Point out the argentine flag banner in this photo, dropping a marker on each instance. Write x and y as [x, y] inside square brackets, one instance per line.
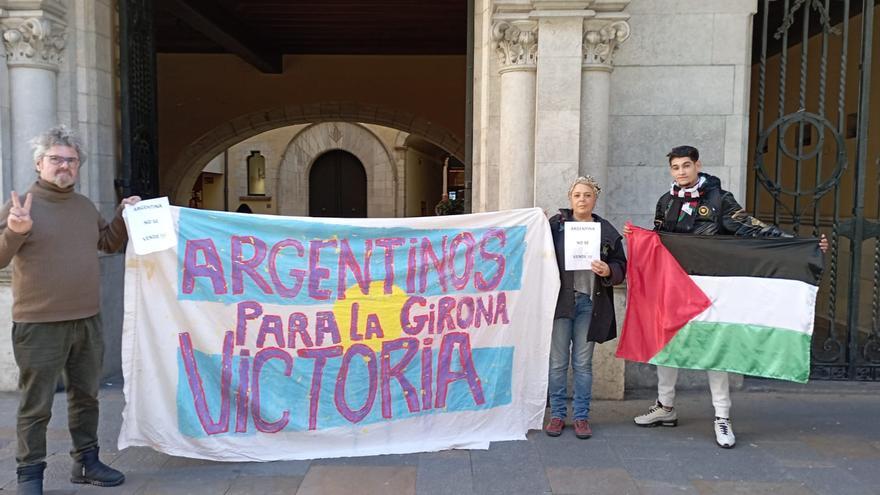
[260, 338]
[721, 303]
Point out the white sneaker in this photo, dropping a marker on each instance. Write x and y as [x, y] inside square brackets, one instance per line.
[657, 415]
[724, 433]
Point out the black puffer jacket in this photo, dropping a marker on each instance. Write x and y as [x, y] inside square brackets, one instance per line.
[603, 324]
[717, 212]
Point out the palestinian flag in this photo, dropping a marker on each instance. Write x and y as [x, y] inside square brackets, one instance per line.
[721, 303]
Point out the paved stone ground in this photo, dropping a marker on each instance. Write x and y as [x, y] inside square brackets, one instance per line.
[822, 438]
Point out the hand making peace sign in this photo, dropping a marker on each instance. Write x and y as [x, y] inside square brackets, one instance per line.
[19, 220]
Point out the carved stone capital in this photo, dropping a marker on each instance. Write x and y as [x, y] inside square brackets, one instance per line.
[34, 43]
[601, 39]
[516, 43]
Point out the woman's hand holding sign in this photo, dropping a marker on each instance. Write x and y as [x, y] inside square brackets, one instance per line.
[600, 268]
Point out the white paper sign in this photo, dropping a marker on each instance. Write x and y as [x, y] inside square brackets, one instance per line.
[582, 241]
[150, 227]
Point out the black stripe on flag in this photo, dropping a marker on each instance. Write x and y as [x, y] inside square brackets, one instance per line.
[730, 256]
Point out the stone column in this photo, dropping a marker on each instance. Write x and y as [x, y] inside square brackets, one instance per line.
[558, 99]
[600, 39]
[33, 47]
[5, 135]
[516, 43]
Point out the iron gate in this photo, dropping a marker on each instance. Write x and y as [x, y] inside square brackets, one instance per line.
[816, 164]
[139, 173]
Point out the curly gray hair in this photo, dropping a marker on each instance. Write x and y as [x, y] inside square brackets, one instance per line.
[587, 180]
[57, 136]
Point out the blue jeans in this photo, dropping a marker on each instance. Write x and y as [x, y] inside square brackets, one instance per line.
[569, 339]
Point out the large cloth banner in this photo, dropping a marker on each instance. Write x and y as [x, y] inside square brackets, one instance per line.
[268, 338]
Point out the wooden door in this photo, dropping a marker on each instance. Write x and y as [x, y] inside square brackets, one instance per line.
[337, 186]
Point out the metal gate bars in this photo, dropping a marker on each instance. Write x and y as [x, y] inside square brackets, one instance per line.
[817, 167]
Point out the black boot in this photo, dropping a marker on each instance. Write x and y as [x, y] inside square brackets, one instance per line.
[88, 469]
[30, 479]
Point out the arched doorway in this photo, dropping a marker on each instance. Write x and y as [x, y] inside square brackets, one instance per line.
[192, 158]
[337, 186]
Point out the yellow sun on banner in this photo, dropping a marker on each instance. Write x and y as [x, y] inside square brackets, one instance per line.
[376, 315]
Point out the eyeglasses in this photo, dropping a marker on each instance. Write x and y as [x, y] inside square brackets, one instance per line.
[71, 161]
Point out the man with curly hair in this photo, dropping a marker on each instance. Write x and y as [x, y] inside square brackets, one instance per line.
[52, 238]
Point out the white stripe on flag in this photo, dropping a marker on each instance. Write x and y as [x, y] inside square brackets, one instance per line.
[769, 302]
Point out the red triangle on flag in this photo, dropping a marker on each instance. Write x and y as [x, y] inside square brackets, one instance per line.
[660, 297]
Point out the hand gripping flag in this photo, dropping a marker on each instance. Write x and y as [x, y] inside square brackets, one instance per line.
[721, 303]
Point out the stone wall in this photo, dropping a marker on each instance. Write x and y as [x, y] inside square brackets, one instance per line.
[614, 85]
[8, 369]
[681, 78]
[424, 182]
[5, 129]
[112, 306]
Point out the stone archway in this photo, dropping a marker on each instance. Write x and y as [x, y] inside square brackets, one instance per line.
[177, 180]
[308, 144]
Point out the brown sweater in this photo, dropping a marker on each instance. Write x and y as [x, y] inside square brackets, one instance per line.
[55, 272]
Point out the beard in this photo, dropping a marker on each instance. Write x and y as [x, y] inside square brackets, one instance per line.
[63, 180]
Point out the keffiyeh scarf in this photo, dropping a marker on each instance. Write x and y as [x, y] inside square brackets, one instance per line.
[680, 214]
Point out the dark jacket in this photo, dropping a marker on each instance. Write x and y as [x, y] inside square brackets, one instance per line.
[717, 212]
[603, 324]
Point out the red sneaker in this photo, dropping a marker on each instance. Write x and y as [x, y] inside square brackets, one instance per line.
[554, 428]
[582, 429]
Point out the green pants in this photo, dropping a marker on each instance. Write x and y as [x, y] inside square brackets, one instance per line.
[42, 352]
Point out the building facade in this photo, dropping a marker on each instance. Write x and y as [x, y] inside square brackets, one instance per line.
[552, 89]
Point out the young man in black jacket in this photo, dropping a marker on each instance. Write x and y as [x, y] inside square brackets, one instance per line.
[696, 204]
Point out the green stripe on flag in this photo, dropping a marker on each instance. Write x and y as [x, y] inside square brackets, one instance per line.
[748, 349]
